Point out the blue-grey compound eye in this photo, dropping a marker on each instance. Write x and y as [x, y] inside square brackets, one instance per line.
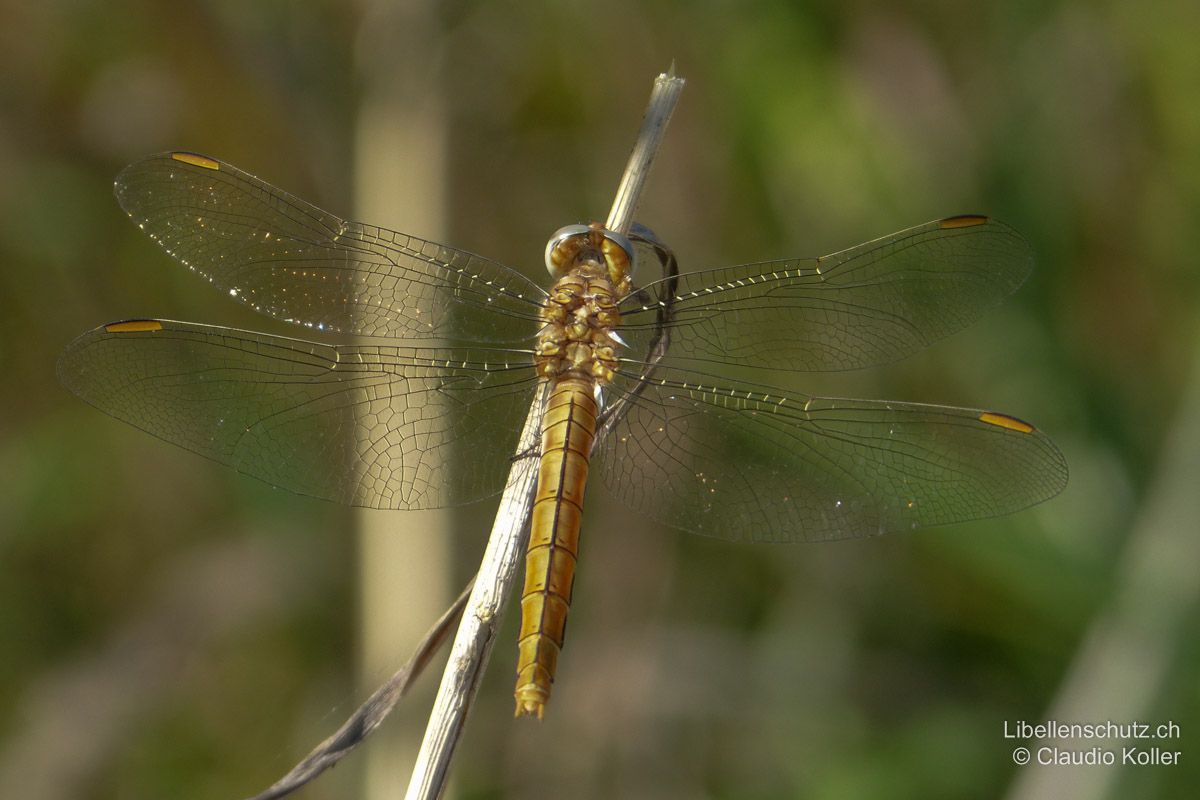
[626, 245]
[554, 265]
[561, 251]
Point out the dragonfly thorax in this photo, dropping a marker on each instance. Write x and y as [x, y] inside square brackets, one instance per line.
[580, 314]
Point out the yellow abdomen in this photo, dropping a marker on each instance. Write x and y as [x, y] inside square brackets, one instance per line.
[568, 430]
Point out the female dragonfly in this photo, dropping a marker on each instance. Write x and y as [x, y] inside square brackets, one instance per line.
[639, 377]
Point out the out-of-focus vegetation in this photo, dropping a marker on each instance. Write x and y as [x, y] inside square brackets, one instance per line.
[170, 629]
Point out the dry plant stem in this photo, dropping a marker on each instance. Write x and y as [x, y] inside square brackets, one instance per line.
[371, 713]
[663, 98]
[481, 620]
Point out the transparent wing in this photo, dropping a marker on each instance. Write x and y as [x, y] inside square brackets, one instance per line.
[752, 463]
[361, 425]
[290, 260]
[871, 304]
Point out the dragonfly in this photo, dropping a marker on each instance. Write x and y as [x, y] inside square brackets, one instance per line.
[420, 363]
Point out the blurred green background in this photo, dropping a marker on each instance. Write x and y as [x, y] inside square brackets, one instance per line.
[170, 629]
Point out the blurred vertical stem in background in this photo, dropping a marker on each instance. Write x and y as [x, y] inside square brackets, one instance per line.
[1122, 664]
[399, 179]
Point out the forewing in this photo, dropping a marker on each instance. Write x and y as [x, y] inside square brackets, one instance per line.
[751, 463]
[375, 426]
[290, 260]
[872, 304]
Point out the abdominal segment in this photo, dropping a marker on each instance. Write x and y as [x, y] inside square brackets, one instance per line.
[568, 430]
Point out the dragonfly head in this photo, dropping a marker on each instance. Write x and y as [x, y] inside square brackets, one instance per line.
[574, 245]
